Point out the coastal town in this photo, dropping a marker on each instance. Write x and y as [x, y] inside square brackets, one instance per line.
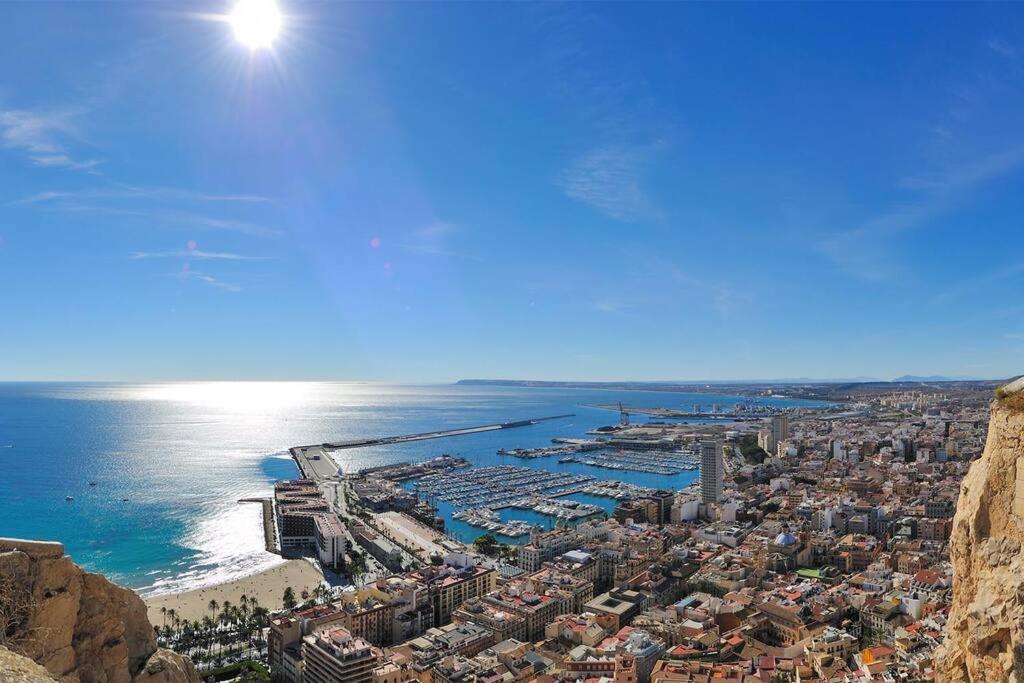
[811, 547]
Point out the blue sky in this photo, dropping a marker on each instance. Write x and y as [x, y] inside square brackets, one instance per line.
[555, 191]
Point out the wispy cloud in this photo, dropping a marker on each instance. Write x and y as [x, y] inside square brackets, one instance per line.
[609, 179]
[43, 137]
[434, 239]
[158, 205]
[215, 223]
[864, 251]
[64, 161]
[434, 250]
[725, 299]
[979, 283]
[210, 280]
[1001, 47]
[198, 254]
[436, 229]
[128, 192]
[666, 285]
[161, 215]
[610, 305]
[968, 174]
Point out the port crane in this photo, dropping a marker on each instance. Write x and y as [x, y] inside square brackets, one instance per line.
[623, 416]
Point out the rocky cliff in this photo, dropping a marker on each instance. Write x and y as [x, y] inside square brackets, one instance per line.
[17, 669]
[985, 634]
[79, 626]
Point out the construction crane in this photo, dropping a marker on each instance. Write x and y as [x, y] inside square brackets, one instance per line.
[623, 416]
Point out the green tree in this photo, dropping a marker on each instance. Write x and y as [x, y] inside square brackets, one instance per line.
[289, 598]
[487, 545]
[356, 565]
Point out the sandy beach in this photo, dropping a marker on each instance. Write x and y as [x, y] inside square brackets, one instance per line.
[266, 586]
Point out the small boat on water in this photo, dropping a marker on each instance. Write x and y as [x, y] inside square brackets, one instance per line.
[124, 500]
[69, 498]
[92, 483]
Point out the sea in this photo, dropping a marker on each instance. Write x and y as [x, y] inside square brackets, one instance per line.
[155, 471]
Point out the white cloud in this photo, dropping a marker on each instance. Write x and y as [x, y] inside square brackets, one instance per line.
[215, 223]
[609, 180]
[42, 137]
[980, 283]
[1001, 47]
[968, 174]
[210, 280]
[436, 229]
[864, 251]
[129, 192]
[434, 239]
[156, 204]
[64, 161]
[198, 254]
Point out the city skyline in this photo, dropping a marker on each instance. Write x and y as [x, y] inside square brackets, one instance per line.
[550, 192]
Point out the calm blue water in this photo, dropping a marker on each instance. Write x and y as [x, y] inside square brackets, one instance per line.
[184, 453]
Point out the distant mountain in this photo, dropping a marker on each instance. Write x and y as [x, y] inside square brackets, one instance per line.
[667, 385]
[721, 385]
[936, 378]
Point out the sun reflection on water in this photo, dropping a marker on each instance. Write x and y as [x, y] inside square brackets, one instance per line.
[233, 397]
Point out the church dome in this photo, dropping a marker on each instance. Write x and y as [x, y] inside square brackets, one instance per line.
[785, 538]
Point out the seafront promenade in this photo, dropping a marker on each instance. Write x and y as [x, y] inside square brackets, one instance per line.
[267, 586]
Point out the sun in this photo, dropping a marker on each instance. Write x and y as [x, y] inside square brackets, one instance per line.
[256, 23]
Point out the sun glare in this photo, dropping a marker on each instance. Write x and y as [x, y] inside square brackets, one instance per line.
[256, 23]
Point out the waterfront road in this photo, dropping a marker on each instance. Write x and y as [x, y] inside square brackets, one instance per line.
[315, 463]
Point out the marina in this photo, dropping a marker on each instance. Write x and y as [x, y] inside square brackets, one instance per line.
[562, 447]
[497, 486]
[663, 457]
[654, 462]
[561, 509]
[617, 490]
[488, 519]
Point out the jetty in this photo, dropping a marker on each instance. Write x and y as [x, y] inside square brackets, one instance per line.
[439, 434]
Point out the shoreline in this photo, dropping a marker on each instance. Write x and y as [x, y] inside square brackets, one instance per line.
[267, 586]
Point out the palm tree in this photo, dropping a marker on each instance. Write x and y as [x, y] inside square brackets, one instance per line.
[173, 614]
[208, 634]
[163, 613]
[186, 637]
[260, 617]
[197, 633]
[213, 607]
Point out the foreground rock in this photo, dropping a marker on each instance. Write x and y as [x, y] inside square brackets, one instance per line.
[985, 634]
[79, 626]
[17, 669]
